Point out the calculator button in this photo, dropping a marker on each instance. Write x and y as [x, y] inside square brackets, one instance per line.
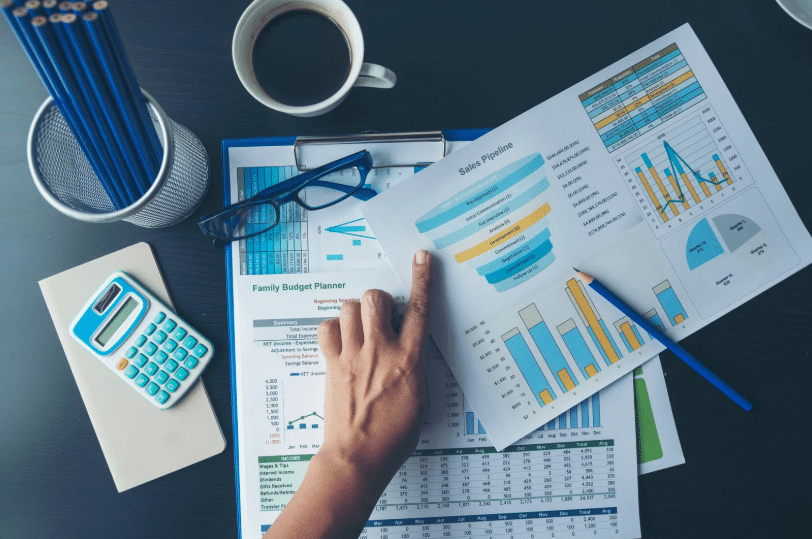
[191, 362]
[159, 318]
[150, 329]
[179, 354]
[131, 352]
[172, 385]
[140, 361]
[139, 342]
[121, 364]
[162, 397]
[169, 325]
[131, 372]
[150, 348]
[151, 368]
[171, 365]
[159, 337]
[152, 388]
[161, 377]
[190, 342]
[200, 350]
[160, 357]
[142, 380]
[180, 333]
[170, 345]
[181, 374]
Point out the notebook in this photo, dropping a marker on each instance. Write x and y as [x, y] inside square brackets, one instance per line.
[140, 442]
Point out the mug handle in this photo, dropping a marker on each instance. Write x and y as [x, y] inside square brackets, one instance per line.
[375, 76]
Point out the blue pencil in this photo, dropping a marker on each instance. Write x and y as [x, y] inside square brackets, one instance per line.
[102, 8]
[95, 32]
[70, 34]
[83, 120]
[681, 353]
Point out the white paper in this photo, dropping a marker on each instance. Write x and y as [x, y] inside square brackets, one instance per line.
[508, 217]
[576, 476]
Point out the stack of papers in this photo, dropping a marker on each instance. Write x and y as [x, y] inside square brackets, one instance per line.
[545, 402]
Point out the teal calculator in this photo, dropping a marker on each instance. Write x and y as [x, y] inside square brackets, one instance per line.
[142, 340]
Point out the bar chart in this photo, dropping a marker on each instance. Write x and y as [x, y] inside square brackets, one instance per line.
[309, 421]
[585, 415]
[550, 351]
[518, 348]
[578, 348]
[629, 334]
[668, 299]
[654, 317]
[592, 320]
[680, 168]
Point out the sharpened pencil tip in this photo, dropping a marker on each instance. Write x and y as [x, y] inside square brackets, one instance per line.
[576, 269]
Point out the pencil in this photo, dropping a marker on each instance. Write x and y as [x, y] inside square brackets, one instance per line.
[102, 8]
[71, 34]
[147, 169]
[681, 353]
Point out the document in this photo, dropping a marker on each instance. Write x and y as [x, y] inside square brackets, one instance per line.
[646, 176]
[575, 476]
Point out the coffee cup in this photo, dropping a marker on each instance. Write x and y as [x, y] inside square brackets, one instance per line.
[269, 23]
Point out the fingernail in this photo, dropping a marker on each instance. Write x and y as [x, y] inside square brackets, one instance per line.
[421, 256]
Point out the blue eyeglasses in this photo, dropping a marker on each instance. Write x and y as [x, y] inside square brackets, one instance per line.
[307, 189]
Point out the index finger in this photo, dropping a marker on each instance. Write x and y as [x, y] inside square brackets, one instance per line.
[416, 320]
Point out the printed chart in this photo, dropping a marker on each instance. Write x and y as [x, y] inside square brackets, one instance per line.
[642, 97]
[672, 175]
[310, 242]
[498, 225]
[540, 359]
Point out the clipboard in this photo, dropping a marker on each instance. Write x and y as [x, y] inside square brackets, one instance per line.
[389, 150]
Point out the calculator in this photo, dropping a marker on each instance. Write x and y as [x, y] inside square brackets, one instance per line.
[142, 340]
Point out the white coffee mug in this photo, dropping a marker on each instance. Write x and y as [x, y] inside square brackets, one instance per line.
[261, 12]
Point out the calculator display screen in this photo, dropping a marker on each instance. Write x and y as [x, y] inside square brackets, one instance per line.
[117, 320]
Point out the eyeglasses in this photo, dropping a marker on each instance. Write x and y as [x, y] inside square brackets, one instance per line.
[307, 189]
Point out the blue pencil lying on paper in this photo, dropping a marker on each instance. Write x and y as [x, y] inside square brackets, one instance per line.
[81, 60]
[680, 352]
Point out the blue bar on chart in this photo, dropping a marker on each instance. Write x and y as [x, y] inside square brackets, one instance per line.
[585, 414]
[562, 421]
[573, 417]
[596, 410]
[481, 428]
[469, 422]
[531, 371]
[629, 334]
[674, 310]
[578, 349]
[549, 349]
[654, 317]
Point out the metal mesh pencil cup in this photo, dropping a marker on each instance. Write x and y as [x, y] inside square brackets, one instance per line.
[65, 178]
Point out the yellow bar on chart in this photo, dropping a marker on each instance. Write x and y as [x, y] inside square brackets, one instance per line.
[592, 320]
[675, 185]
[679, 319]
[504, 236]
[564, 376]
[701, 184]
[545, 396]
[591, 371]
[626, 328]
[722, 169]
[651, 194]
[662, 187]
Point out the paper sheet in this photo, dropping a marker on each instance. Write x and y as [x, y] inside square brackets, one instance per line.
[644, 175]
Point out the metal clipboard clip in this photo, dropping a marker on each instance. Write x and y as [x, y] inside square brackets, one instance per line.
[387, 149]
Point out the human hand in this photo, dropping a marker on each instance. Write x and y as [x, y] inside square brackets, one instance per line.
[375, 398]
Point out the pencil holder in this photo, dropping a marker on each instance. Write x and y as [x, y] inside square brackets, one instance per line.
[65, 178]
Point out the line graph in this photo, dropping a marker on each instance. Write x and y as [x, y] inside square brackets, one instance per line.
[678, 169]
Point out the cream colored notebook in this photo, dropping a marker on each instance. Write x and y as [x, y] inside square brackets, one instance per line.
[139, 441]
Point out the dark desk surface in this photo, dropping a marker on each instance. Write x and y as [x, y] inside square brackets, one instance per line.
[459, 64]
